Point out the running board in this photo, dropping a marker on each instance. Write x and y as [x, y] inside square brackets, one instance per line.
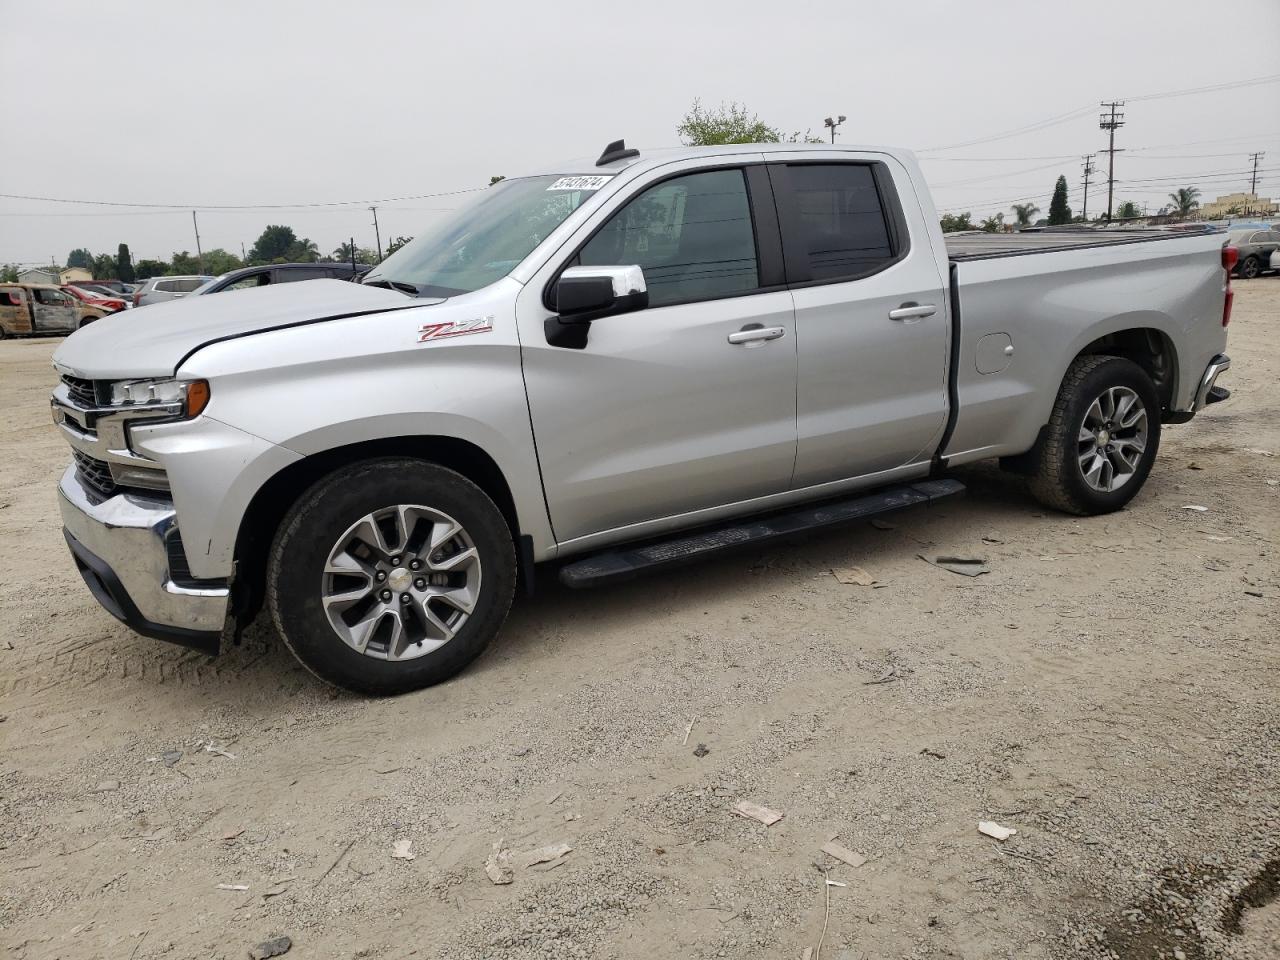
[628, 562]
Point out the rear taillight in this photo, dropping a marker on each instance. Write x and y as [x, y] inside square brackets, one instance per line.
[1229, 257]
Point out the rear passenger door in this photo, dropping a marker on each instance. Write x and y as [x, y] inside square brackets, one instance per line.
[871, 315]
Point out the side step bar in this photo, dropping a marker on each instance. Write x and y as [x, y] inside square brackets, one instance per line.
[628, 562]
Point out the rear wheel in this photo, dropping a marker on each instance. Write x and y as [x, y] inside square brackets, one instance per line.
[1250, 267]
[391, 575]
[1101, 440]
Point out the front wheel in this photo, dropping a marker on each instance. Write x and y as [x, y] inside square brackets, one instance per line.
[391, 575]
[1101, 439]
[1250, 267]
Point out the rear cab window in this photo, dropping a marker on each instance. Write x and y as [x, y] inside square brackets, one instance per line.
[841, 220]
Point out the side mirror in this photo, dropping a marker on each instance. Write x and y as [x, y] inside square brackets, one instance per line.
[584, 294]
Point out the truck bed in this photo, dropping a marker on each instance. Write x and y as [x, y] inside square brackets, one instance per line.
[975, 245]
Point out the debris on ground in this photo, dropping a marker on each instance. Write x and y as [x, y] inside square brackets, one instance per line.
[753, 811]
[106, 786]
[1196, 508]
[1194, 466]
[853, 576]
[688, 730]
[930, 752]
[701, 750]
[887, 677]
[843, 854]
[498, 866]
[965, 566]
[231, 834]
[233, 886]
[212, 747]
[554, 851]
[402, 850]
[170, 757]
[271, 948]
[992, 829]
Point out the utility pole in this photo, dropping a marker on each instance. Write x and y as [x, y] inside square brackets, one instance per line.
[199, 254]
[242, 255]
[376, 233]
[1088, 172]
[1254, 158]
[353, 254]
[1110, 123]
[832, 124]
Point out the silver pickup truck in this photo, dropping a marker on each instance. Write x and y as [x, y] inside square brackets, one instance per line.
[616, 364]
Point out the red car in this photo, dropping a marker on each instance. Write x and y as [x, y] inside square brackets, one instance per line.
[93, 298]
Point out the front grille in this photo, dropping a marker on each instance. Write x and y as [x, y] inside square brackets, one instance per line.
[81, 391]
[94, 474]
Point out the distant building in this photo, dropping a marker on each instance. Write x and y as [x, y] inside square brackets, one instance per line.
[40, 275]
[1239, 204]
[74, 275]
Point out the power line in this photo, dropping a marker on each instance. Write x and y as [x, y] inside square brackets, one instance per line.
[238, 206]
[1210, 88]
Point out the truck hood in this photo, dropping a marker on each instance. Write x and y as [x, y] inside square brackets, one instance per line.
[153, 340]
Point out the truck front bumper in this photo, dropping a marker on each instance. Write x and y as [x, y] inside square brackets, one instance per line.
[128, 550]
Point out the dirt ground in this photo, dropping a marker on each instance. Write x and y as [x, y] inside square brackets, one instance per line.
[1110, 690]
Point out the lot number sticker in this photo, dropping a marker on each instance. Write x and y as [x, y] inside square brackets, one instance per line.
[580, 183]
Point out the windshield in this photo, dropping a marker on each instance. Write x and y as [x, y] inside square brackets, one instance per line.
[485, 240]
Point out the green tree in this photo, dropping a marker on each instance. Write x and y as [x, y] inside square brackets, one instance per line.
[498, 179]
[993, 224]
[301, 251]
[273, 243]
[343, 252]
[1128, 211]
[80, 257]
[1024, 212]
[124, 263]
[9, 273]
[728, 123]
[146, 269]
[1059, 212]
[951, 222]
[396, 244]
[104, 267]
[183, 264]
[218, 261]
[1185, 200]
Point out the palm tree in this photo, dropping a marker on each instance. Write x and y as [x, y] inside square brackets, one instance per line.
[345, 251]
[1185, 200]
[1024, 212]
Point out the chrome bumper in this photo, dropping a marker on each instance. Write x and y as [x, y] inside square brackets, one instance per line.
[1216, 367]
[128, 551]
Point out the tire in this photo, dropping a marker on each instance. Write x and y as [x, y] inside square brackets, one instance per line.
[1250, 267]
[305, 593]
[85, 322]
[1058, 475]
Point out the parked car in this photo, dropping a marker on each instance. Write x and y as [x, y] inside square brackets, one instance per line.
[116, 288]
[1256, 247]
[95, 298]
[612, 365]
[1275, 260]
[29, 309]
[250, 277]
[160, 289]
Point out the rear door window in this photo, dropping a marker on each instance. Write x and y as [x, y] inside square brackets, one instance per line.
[310, 273]
[166, 286]
[834, 223]
[187, 284]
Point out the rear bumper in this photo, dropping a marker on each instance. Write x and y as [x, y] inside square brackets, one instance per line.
[128, 551]
[1204, 393]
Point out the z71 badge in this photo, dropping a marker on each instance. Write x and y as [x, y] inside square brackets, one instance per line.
[454, 328]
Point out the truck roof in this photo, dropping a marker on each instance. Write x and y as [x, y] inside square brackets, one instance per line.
[648, 158]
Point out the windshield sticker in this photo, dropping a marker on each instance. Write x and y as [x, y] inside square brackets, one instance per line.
[454, 328]
[581, 183]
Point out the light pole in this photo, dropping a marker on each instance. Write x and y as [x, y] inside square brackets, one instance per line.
[832, 124]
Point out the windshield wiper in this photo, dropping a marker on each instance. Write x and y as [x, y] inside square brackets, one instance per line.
[392, 285]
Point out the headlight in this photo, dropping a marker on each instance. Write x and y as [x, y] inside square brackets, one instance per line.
[192, 394]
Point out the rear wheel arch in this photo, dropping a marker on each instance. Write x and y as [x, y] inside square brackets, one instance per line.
[273, 500]
[1150, 348]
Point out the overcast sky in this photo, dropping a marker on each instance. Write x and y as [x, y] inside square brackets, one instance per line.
[275, 102]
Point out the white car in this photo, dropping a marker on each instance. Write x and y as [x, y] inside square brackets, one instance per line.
[1275, 259]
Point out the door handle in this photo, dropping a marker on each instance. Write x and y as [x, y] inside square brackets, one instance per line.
[913, 311]
[754, 333]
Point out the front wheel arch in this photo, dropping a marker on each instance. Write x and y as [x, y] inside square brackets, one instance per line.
[274, 499]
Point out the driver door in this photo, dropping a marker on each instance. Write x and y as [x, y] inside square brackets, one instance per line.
[55, 311]
[669, 410]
